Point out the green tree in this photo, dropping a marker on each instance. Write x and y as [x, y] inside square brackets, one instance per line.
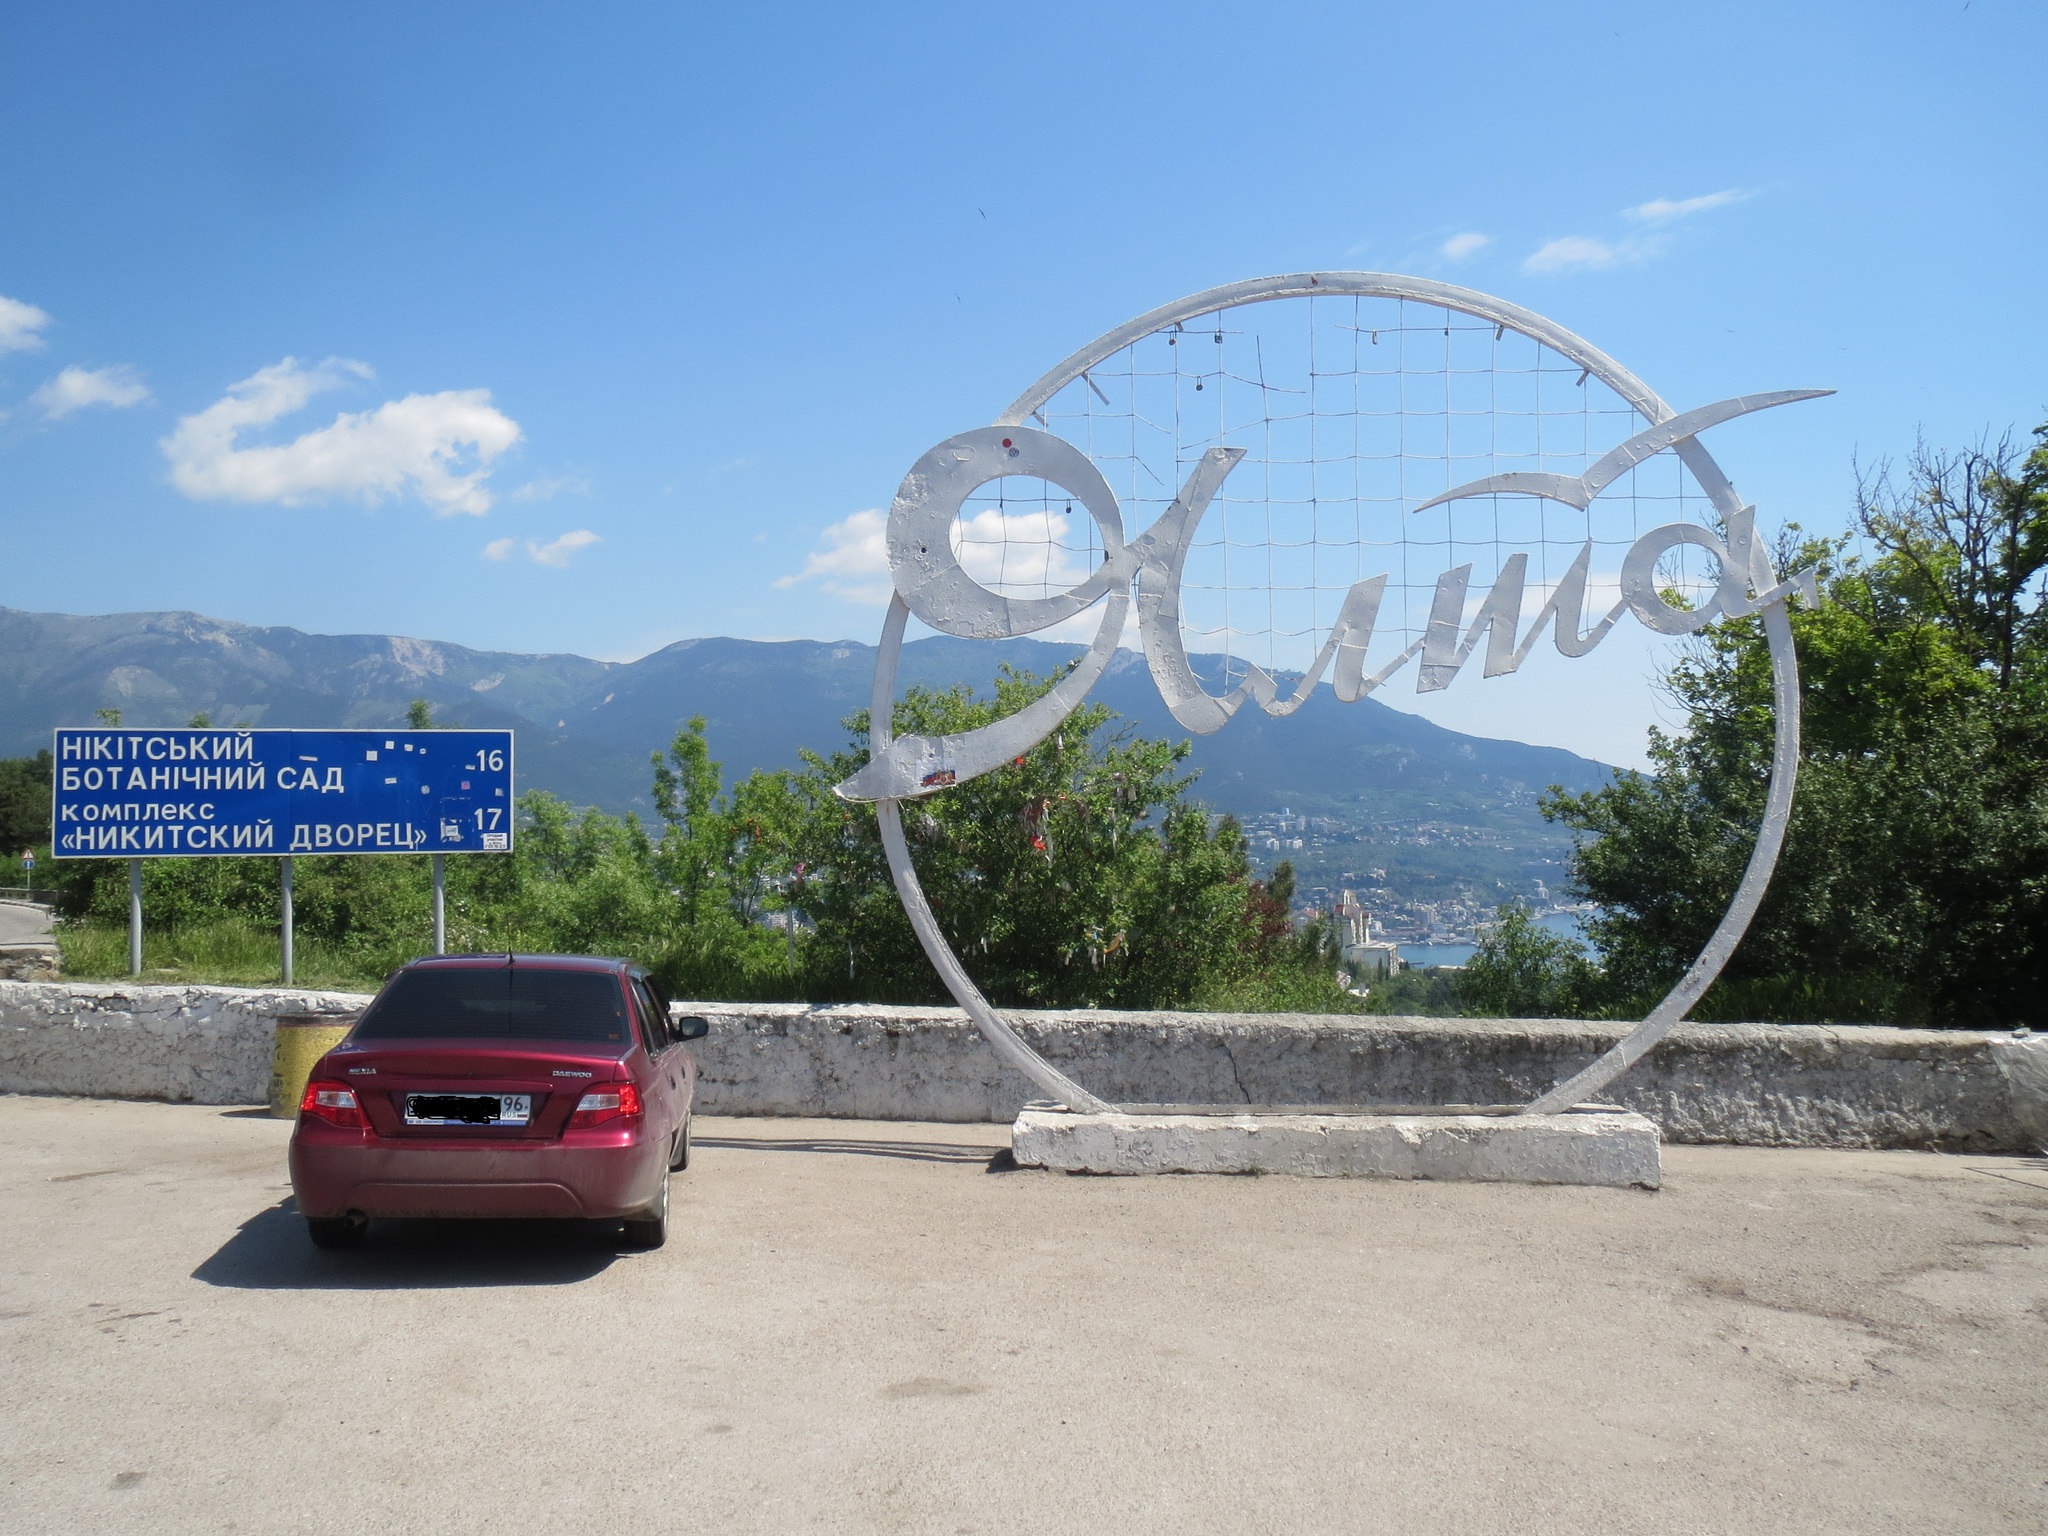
[24, 804]
[1079, 874]
[712, 864]
[1521, 970]
[1914, 880]
[696, 834]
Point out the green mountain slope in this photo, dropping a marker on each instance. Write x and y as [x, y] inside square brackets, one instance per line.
[1382, 789]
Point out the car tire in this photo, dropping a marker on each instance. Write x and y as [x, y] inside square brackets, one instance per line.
[649, 1229]
[337, 1231]
[682, 1158]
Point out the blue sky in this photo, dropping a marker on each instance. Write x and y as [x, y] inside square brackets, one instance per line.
[681, 289]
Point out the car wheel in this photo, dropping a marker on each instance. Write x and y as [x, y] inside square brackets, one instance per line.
[649, 1229]
[337, 1231]
[682, 1158]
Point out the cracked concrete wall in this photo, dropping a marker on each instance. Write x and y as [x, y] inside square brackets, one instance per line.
[1754, 1084]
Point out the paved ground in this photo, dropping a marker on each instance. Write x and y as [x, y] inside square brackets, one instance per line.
[21, 923]
[862, 1327]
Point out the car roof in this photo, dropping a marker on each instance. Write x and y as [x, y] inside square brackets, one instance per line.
[528, 962]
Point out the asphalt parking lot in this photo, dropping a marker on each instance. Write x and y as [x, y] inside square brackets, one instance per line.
[862, 1326]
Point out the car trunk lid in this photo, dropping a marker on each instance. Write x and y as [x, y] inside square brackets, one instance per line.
[552, 1075]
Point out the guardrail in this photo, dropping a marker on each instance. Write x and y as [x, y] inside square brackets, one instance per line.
[34, 894]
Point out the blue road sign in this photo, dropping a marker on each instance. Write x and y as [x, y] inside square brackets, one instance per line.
[173, 794]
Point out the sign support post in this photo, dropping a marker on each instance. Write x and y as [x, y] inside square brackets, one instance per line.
[440, 904]
[135, 917]
[284, 896]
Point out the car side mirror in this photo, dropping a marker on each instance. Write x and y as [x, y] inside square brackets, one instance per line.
[690, 1028]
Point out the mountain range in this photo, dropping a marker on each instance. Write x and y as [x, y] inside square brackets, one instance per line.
[586, 728]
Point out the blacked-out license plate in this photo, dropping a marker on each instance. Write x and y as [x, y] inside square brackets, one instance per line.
[468, 1108]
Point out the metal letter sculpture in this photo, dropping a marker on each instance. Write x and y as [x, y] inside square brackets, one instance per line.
[1436, 389]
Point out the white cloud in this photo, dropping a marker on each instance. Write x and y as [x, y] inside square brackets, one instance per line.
[1083, 627]
[418, 443]
[854, 562]
[556, 552]
[1589, 253]
[1019, 554]
[1458, 247]
[20, 326]
[549, 489]
[1664, 210]
[1585, 253]
[76, 388]
[1574, 253]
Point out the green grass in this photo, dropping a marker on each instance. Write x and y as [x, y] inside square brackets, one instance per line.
[229, 952]
[1286, 992]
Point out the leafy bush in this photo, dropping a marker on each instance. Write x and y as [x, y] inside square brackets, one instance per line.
[1523, 971]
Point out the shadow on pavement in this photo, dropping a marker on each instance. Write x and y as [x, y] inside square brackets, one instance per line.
[912, 1151]
[271, 1252]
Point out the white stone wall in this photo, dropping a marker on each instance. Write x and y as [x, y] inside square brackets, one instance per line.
[1750, 1084]
[1754, 1084]
[199, 1045]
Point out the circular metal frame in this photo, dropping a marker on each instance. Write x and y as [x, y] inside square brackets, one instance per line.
[1742, 907]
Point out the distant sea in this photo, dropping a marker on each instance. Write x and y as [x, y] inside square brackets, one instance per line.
[1422, 956]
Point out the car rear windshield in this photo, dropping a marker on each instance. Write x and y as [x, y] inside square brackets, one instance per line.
[499, 1002]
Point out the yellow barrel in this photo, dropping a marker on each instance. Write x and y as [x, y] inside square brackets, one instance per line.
[302, 1039]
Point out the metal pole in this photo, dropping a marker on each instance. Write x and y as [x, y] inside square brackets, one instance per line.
[440, 904]
[135, 917]
[284, 891]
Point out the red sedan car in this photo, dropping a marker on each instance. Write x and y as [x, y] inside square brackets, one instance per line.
[500, 1085]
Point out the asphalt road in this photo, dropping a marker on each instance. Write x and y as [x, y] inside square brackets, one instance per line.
[21, 923]
[863, 1327]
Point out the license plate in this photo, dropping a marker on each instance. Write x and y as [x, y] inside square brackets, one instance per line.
[468, 1108]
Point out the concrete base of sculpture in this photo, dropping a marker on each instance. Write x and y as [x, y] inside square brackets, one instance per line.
[1586, 1146]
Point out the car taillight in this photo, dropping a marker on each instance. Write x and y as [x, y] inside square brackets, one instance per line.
[335, 1103]
[606, 1104]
